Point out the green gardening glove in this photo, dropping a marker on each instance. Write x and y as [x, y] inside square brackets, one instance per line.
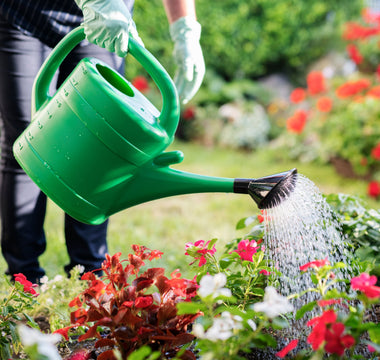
[186, 33]
[108, 24]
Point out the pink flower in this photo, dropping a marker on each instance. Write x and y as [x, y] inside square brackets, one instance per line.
[315, 264]
[246, 249]
[201, 248]
[371, 348]
[366, 284]
[292, 345]
[264, 272]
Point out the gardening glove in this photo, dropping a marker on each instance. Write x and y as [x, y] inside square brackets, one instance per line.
[186, 33]
[108, 24]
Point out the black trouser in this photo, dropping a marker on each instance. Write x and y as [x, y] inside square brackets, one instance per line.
[22, 204]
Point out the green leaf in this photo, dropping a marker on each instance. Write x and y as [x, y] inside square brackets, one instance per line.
[185, 308]
[308, 307]
[374, 334]
[241, 224]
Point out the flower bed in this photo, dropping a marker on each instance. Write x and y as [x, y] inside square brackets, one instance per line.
[231, 309]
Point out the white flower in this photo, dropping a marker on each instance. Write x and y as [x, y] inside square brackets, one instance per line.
[221, 329]
[252, 324]
[274, 304]
[213, 285]
[46, 343]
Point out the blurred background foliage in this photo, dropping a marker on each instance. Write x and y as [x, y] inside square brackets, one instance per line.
[251, 38]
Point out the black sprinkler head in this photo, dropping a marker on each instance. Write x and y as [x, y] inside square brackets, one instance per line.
[268, 191]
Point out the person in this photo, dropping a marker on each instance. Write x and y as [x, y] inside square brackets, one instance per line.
[28, 31]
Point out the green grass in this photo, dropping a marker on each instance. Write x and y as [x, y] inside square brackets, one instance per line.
[167, 224]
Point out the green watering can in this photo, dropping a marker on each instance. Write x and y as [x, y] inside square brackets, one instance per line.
[97, 146]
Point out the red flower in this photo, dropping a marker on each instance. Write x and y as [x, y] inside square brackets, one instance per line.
[28, 286]
[355, 31]
[297, 122]
[315, 82]
[246, 249]
[336, 342]
[140, 83]
[324, 104]
[292, 345]
[319, 324]
[315, 264]
[366, 284]
[82, 354]
[329, 302]
[354, 54]
[297, 95]
[375, 153]
[374, 189]
[189, 113]
[374, 92]
[351, 88]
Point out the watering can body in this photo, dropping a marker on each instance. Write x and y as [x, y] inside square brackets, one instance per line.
[88, 140]
[96, 147]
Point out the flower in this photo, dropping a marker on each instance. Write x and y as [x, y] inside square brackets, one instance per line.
[315, 264]
[221, 328]
[274, 304]
[329, 302]
[297, 122]
[351, 88]
[189, 113]
[213, 285]
[375, 152]
[366, 284]
[140, 83]
[28, 286]
[199, 247]
[292, 345]
[374, 92]
[297, 95]
[319, 324]
[354, 54]
[264, 272]
[82, 354]
[374, 189]
[324, 104]
[46, 343]
[246, 249]
[315, 82]
[336, 342]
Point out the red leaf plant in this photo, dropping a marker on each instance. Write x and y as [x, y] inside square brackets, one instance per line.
[128, 308]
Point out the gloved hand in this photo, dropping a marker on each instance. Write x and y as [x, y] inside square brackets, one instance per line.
[186, 33]
[108, 24]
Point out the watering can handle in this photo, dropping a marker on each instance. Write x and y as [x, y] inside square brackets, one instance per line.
[169, 115]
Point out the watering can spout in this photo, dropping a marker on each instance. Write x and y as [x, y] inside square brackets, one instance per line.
[268, 191]
[155, 182]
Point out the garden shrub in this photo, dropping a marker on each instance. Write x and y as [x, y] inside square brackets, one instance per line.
[254, 37]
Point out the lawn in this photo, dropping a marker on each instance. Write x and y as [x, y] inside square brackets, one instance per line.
[168, 224]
